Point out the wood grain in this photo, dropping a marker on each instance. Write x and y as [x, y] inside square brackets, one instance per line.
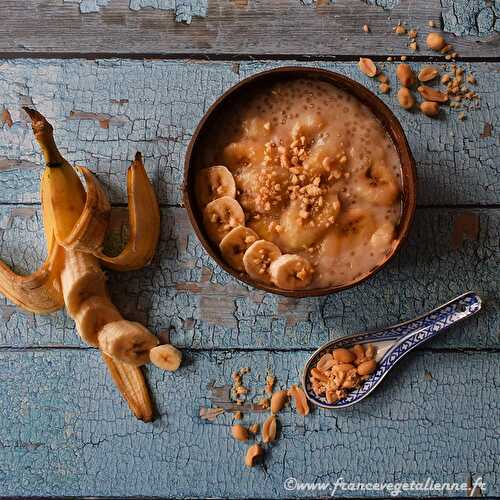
[435, 416]
[260, 27]
[186, 293]
[104, 111]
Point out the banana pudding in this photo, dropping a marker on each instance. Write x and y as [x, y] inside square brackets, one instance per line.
[301, 187]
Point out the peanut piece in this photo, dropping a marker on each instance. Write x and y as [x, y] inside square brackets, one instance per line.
[370, 351]
[405, 98]
[405, 74]
[429, 108]
[367, 367]
[278, 401]
[301, 404]
[239, 432]
[343, 355]
[430, 94]
[428, 73]
[269, 430]
[435, 41]
[254, 453]
[367, 66]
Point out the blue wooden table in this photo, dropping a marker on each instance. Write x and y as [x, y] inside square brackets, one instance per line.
[114, 77]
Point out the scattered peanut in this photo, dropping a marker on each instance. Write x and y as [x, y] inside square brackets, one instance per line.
[384, 88]
[254, 428]
[367, 66]
[405, 98]
[400, 29]
[253, 455]
[269, 430]
[429, 108]
[405, 74]
[278, 401]
[301, 404]
[366, 28]
[239, 432]
[428, 73]
[435, 41]
[430, 94]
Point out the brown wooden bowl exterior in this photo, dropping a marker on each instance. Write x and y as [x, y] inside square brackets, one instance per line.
[383, 114]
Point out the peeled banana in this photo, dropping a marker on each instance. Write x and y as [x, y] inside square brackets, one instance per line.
[75, 224]
[81, 278]
[144, 222]
[127, 341]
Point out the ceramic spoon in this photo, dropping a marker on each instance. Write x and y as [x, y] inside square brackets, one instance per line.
[392, 344]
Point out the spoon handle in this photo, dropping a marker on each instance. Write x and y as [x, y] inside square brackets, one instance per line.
[422, 329]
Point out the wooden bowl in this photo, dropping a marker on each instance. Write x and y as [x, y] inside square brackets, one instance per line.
[381, 111]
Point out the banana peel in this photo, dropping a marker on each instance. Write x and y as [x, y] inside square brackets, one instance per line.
[131, 383]
[75, 224]
[39, 292]
[144, 222]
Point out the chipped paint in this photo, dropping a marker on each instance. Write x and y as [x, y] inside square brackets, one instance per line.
[7, 165]
[465, 226]
[463, 17]
[103, 119]
[184, 10]
[385, 4]
[5, 118]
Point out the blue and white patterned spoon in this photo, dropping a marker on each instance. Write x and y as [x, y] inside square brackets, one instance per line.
[392, 344]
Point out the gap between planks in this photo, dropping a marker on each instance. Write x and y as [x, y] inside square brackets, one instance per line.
[235, 57]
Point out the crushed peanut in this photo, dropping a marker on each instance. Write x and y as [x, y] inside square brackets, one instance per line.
[342, 370]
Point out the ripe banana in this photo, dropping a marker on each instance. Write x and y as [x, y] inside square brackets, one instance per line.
[93, 314]
[258, 258]
[214, 182]
[291, 272]
[39, 292]
[144, 222]
[81, 278]
[166, 357]
[75, 224]
[222, 215]
[127, 341]
[130, 382]
[234, 245]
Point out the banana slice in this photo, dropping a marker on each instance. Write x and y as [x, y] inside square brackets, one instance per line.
[291, 272]
[166, 357]
[235, 244]
[81, 278]
[94, 313]
[127, 341]
[222, 215]
[213, 183]
[258, 258]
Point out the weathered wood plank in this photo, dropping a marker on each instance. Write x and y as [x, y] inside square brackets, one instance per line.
[184, 290]
[106, 110]
[294, 27]
[65, 429]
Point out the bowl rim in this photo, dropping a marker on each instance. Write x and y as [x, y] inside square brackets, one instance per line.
[388, 120]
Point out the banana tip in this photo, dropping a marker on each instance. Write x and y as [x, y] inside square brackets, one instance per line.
[138, 156]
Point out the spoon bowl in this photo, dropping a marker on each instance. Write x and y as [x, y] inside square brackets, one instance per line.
[392, 344]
